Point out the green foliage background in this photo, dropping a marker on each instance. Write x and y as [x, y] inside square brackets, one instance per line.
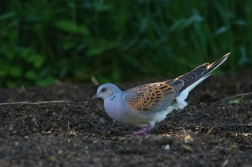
[42, 41]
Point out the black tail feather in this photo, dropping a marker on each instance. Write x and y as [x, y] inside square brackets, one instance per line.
[204, 70]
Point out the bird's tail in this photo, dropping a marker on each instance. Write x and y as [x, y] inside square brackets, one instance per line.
[195, 77]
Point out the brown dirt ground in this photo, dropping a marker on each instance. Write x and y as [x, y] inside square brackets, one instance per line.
[78, 133]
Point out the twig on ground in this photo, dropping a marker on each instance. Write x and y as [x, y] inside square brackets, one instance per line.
[39, 102]
[209, 131]
[234, 96]
[68, 126]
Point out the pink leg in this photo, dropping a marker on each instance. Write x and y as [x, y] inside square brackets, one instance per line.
[143, 131]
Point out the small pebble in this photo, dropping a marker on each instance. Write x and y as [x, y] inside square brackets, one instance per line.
[187, 148]
[188, 139]
[167, 147]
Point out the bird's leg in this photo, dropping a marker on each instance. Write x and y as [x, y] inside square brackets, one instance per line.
[143, 131]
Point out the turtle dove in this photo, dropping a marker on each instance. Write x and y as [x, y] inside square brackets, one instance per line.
[148, 104]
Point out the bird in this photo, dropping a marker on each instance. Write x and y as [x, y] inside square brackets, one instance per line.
[148, 104]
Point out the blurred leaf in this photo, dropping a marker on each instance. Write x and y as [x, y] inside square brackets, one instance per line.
[45, 72]
[31, 75]
[47, 81]
[6, 16]
[221, 30]
[104, 46]
[80, 47]
[2, 73]
[71, 27]
[68, 45]
[184, 23]
[101, 7]
[240, 22]
[34, 18]
[144, 24]
[243, 58]
[36, 59]
[11, 84]
[15, 71]
[192, 20]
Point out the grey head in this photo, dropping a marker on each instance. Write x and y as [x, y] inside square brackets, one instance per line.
[106, 90]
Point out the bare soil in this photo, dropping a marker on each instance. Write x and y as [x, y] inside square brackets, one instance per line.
[210, 131]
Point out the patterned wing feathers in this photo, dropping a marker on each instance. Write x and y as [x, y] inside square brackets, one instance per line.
[149, 97]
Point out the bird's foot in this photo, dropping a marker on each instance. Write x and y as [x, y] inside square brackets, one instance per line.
[142, 132]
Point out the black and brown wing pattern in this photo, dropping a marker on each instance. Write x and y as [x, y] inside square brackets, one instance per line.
[152, 97]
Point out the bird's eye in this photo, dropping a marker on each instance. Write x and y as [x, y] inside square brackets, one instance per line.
[104, 90]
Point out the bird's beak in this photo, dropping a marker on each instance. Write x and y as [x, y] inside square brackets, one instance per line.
[94, 97]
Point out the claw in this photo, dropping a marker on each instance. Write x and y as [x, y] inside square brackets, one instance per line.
[142, 132]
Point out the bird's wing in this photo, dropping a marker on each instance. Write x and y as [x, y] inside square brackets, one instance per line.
[153, 97]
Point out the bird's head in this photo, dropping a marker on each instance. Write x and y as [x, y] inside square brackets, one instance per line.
[106, 90]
